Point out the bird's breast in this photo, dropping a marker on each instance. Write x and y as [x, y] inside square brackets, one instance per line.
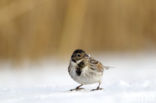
[83, 74]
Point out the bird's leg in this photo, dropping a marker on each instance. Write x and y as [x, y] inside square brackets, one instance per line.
[98, 88]
[77, 88]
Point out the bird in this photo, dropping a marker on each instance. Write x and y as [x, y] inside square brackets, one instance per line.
[85, 70]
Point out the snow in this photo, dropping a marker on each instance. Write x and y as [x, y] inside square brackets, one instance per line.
[132, 80]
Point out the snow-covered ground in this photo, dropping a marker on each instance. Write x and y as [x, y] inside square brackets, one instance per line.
[132, 80]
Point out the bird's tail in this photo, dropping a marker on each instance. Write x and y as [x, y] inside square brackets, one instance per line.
[108, 67]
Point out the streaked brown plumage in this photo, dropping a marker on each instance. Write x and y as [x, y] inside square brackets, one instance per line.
[85, 69]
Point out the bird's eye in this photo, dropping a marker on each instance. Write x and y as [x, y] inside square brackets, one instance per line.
[78, 55]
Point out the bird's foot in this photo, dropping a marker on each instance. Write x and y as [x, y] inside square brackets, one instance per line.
[76, 89]
[97, 89]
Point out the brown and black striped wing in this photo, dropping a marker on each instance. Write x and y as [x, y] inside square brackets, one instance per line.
[95, 65]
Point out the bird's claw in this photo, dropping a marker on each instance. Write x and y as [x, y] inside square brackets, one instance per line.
[76, 89]
[97, 89]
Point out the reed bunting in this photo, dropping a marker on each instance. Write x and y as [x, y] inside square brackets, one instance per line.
[85, 69]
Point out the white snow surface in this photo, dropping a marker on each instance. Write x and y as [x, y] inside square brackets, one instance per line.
[132, 80]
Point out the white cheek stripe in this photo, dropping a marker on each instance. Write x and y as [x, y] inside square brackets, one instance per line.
[79, 61]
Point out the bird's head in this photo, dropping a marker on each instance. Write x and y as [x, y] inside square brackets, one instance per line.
[78, 55]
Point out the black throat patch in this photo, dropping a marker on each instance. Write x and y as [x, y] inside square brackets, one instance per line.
[79, 68]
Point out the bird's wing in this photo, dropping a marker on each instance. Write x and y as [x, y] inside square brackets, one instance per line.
[95, 65]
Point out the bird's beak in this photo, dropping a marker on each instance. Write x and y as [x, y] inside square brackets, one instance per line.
[74, 60]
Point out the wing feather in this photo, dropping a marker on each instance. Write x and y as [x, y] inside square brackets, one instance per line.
[95, 65]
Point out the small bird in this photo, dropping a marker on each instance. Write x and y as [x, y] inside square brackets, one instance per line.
[85, 70]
